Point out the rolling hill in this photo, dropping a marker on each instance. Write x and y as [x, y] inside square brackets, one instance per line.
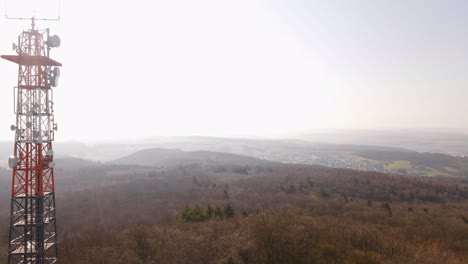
[171, 157]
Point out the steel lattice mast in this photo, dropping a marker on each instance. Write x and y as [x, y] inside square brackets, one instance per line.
[33, 237]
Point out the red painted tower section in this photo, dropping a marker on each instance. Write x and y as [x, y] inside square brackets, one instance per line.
[33, 236]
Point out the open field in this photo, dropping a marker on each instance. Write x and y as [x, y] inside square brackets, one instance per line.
[405, 167]
[398, 165]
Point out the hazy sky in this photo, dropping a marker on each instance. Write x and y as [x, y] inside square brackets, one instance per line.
[250, 67]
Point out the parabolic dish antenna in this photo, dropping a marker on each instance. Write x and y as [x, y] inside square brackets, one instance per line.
[54, 81]
[53, 41]
[56, 71]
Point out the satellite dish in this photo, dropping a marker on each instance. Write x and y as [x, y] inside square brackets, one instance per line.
[51, 164]
[54, 81]
[50, 152]
[28, 124]
[36, 134]
[36, 109]
[53, 41]
[12, 162]
[56, 71]
[12, 127]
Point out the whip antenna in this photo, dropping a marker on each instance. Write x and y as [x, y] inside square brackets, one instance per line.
[22, 4]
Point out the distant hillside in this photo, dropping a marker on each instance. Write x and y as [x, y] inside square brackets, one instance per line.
[173, 151]
[169, 157]
[453, 142]
[72, 163]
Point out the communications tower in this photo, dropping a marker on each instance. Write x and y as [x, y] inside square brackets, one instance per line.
[33, 236]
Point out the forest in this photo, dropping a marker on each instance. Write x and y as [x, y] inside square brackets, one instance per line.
[239, 214]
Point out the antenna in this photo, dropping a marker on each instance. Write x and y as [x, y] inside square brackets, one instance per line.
[57, 18]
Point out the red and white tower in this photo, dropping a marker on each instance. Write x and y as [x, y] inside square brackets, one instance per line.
[33, 236]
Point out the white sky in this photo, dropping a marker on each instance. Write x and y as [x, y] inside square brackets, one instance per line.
[250, 67]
